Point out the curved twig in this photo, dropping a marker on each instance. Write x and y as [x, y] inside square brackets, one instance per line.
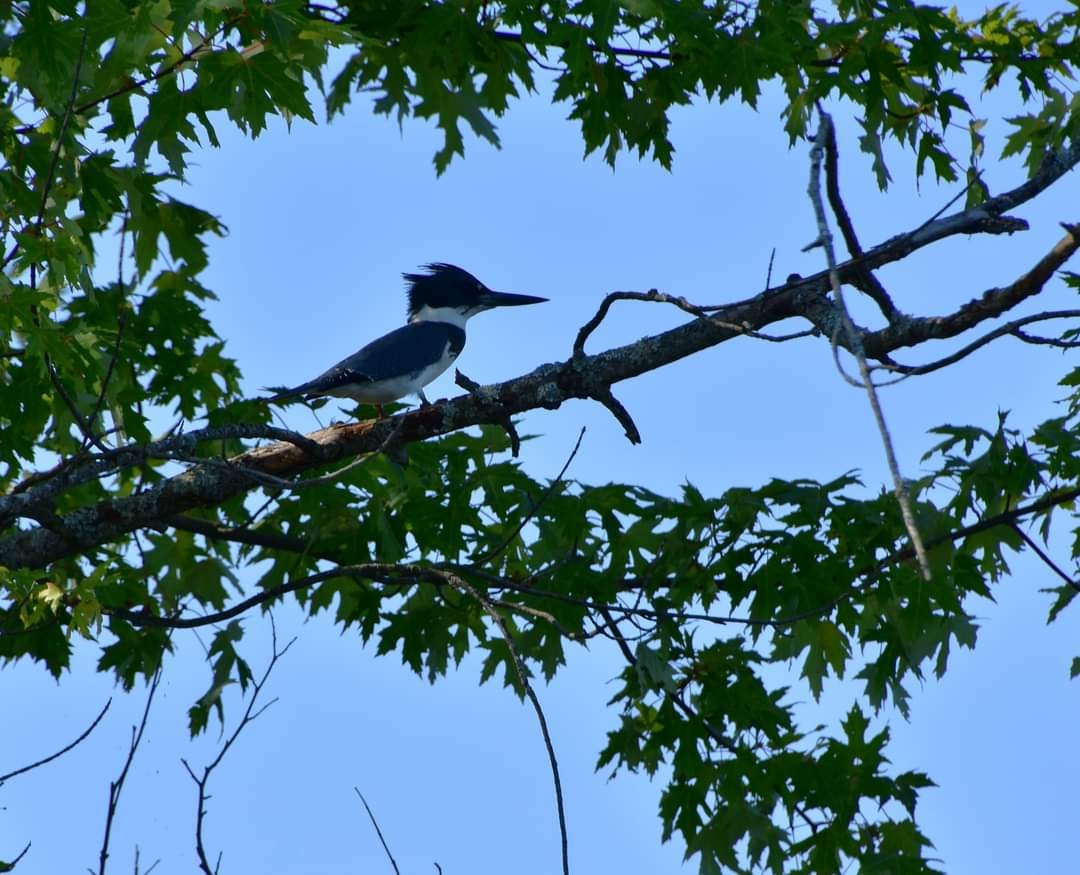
[523, 677]
[86, 732]
[8, 867]
[378, 831]
[1009, 328]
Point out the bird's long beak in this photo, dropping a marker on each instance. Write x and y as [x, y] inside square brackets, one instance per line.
[508, 299]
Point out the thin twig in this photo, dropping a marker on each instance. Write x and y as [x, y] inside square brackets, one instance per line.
[496, 551]
[673, 697]
[870, 284]
[684, 305]
[523, 678]
[378, 831]
[117, 786]
[8, 867]
[86, 732]
[46, 188]
[821, 145]
[136, 84]
[121, 322]
[473, 388]
[1009, 328]
[1042, 554]
[250, 714]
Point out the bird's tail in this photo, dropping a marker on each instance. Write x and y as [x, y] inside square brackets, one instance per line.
[286, 393]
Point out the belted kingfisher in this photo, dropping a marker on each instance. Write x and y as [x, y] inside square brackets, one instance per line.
[407, 359]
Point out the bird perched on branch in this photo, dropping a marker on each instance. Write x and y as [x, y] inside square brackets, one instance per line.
[407, 359]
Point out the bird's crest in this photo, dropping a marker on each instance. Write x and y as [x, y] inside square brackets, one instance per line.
[444, 285]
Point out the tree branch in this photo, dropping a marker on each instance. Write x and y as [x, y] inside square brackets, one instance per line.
[116, 787]
[868, 283]
[1009, 328]
[549, 386]
[250, 714]
[378, 831]
[825, 140]
[523, 677]
[62, 751]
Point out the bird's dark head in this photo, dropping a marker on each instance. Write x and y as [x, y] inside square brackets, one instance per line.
[449, 294]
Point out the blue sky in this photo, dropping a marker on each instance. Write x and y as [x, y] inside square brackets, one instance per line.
[322, 222]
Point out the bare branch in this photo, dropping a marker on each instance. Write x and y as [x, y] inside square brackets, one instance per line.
[523, 677]
[684, 305]
[867, 283]
[989, 305]
[9, 867]
[1009, 328]
[116, 787]
[378, 831]
[250, 714]
[1047, 561]
[86, 732]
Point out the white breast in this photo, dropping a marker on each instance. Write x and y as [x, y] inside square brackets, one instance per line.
[398, 387]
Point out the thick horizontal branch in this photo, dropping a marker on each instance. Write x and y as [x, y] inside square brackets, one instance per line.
[87, 529]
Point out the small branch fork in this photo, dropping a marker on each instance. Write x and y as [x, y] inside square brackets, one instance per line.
[825, 142]
[116, 787]
[250, 714]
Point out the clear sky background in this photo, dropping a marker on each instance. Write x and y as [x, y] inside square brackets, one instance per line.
[322, 222]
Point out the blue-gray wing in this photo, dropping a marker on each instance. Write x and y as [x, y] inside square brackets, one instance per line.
[404, 351]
